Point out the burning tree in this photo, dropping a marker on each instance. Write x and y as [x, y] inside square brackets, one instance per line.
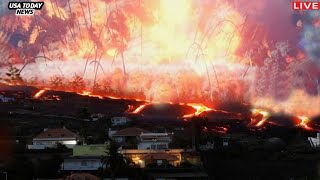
[57, 82]
[106, 87]
[77, 83]
[13, 76]
[97, 88]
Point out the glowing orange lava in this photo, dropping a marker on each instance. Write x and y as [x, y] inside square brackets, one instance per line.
[256, 113]
[136, 111]
[199, 109]
[304, 121]
[39, 93]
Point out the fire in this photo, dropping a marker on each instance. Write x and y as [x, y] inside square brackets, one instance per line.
[136, 111]
[199, 108]
[304, 121]
[299, 103]
[39, 93]
[87, 93]
[257, 112]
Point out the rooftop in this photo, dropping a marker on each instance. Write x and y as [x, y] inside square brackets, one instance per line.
[154, 134]
[90, 150]
[82, 176]
[160, 156]
[131, 131]
[56, 133]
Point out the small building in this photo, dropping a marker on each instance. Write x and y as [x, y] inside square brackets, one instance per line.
[207, 147]
[159, 159]
[49, 138]
[6, 99]
[119, 121]
[154, 140]
[314, 142]
[82, 163]
[225, 141]
[178, 174]
[150, 157]
[85, 158]
[127, 134]
[96, 117]
[81, 176]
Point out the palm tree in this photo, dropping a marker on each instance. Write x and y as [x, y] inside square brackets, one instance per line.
[113, 160]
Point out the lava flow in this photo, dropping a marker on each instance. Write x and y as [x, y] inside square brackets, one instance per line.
[39, 94]
[259, 117]
[199, 109]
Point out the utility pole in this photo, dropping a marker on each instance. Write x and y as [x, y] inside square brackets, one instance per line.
[6, 174]
[193, 134]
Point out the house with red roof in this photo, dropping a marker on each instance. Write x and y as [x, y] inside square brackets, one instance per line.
[49, 138]
[127, 134]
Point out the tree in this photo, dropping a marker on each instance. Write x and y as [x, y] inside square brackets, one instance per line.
[61, 147]
[14, 75]
[33, 81]
[114, 161]
[48, 167]
[77, 83]
[106, 87]
[56, 82]
[83, 113]
[97, 88]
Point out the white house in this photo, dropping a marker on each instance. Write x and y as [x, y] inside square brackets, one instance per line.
[96, 117]
[315, 142]
[82, 163]
[119, 121]
[207, 147]
[49, 138]
[154, 140]
[6, 99]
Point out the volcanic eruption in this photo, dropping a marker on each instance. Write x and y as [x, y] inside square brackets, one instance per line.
[201, 53]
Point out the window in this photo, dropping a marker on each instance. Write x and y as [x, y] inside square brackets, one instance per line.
[162, 146]
[153, 146]
[83, 163]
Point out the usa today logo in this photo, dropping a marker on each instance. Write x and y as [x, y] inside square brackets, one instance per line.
[25, 8]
